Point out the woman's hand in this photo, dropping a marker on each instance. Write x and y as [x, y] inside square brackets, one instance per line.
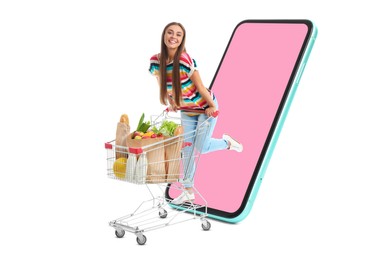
[210, 111]
[172, 108]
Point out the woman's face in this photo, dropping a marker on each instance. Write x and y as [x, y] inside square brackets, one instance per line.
[173, 36]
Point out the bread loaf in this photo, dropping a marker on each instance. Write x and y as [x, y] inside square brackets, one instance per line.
[122, 131]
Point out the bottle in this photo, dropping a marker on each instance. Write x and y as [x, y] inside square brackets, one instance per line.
[130, 167]
[141, 169]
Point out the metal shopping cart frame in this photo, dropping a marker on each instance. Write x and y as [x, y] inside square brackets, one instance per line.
[158, 211]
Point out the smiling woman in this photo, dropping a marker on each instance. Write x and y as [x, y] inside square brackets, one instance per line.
[181, 86]
[172, 46]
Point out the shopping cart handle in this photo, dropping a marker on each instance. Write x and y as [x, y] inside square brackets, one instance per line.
[193, 110]
[186, 144]
[215, 114]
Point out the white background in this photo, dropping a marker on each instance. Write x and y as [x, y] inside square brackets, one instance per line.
[69, 69]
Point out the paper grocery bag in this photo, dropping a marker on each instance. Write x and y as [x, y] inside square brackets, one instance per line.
[173, 146]
[155, 155]
[122, 131]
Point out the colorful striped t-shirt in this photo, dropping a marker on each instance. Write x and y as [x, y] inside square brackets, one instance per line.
[191, 98]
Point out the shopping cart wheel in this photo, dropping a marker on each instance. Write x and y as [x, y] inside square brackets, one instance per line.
[119, 233]
[141, 240]
[162, 213]
[206, 225]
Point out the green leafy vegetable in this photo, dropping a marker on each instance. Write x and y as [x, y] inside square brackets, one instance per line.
[168, 128]
[141, 120]
[143, 126]
[155, 130]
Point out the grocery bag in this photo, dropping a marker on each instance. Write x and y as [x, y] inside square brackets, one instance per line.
[173, 147]
[155, 155]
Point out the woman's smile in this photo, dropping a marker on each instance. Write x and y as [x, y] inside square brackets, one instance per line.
[173, 41]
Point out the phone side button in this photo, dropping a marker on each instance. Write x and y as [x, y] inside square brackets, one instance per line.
[299, 74]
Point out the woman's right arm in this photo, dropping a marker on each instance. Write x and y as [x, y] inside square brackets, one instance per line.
[172, 105]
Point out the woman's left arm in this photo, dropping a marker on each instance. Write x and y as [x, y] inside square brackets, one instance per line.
[195, 78]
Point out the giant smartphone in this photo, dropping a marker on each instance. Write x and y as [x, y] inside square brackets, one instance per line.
[255, 85]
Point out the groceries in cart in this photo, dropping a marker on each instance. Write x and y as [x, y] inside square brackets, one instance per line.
[157, 152]
[149, 154]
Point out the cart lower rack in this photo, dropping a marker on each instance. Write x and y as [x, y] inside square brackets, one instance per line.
[157, 163]
[154, 214]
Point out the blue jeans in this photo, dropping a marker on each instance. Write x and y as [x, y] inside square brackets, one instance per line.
[202, 142]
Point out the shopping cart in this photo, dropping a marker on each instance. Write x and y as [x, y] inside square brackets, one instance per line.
[156, 163]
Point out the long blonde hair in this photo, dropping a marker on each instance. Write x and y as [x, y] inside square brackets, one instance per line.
[176, 83]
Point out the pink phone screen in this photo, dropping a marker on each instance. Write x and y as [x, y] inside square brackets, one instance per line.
[249, 86]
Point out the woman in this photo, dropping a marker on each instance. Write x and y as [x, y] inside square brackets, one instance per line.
[181, 86]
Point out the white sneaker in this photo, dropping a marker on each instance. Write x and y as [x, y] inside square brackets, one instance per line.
[234, 145]
[185, 196]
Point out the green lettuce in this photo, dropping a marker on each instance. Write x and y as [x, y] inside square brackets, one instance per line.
[168, 128]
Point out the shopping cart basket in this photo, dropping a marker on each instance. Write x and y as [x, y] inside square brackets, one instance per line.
[159, 162]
